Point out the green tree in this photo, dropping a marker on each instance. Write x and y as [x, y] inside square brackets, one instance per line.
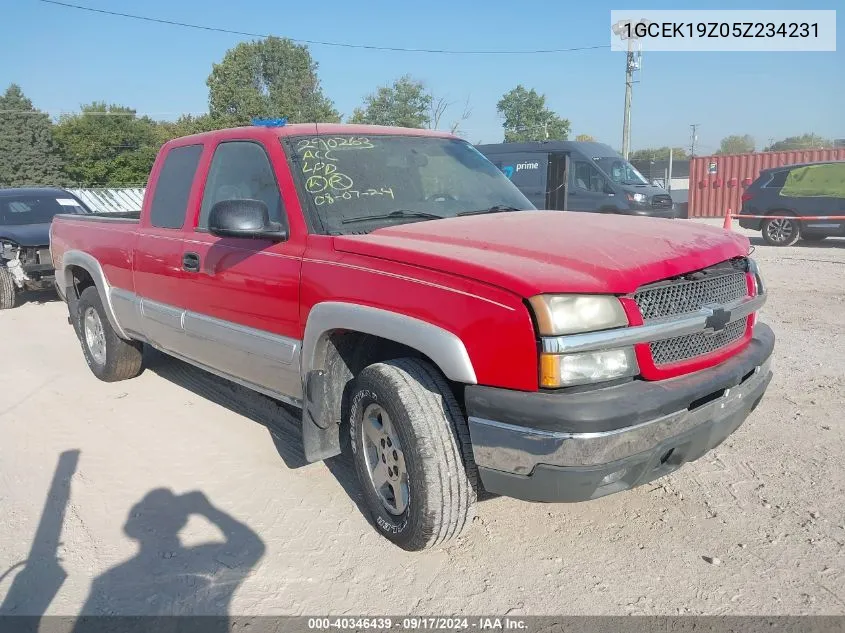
[585, 138]
[27, 152]
[805, 141]
[526, 117]
[107, 145]
[186, 125]
[658, 153]
[736, 144]
[268, 78]
[404, 103]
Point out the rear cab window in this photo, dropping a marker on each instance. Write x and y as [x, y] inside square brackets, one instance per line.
[173, 187]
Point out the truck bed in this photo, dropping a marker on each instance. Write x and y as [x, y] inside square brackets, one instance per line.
[107, 237]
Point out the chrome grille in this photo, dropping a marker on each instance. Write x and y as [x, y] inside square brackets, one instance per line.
[682, 348]
[685, 296]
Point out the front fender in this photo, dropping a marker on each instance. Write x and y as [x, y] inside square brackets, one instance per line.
[444, 348]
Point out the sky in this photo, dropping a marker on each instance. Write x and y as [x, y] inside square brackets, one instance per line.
[63, 57]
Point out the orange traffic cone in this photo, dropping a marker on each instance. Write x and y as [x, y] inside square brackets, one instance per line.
[727, 224]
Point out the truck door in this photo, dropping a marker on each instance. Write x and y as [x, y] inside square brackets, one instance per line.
[159, 300]
[243, 294]
[588, 189]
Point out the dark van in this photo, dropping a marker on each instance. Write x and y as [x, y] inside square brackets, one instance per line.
[793, 192]
[578, 176]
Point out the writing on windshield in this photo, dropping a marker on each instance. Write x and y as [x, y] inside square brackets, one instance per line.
[348, 177]
[320, 167]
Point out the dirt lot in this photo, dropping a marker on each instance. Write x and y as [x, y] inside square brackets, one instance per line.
[755, 527]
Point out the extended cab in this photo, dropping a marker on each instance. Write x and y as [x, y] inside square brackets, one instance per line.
[400, 290]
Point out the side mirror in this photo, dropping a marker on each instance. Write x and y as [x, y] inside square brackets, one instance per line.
[244, 218]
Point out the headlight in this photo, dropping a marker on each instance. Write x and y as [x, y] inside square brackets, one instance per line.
[566, 370]
[8, 250]
[571, 314]
[636, 197]
[754, 269]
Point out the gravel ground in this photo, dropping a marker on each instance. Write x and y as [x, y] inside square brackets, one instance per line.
[190, 496]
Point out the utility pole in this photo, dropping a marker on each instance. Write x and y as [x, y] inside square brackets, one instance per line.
[629, 85]
[669, 171]
[693, 138]
[626, 31]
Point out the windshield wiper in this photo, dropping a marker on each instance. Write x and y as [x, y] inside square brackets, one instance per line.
[400, 213]
[499, 208]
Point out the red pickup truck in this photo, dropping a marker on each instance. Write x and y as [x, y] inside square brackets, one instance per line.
[396, 287]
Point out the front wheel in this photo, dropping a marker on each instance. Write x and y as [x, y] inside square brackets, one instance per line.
[781, 231]
[110, 357]
[412, 454]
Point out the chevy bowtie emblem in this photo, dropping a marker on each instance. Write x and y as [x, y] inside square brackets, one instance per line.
[718, 320]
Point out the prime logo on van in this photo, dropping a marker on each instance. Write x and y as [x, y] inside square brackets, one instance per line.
[510, 169]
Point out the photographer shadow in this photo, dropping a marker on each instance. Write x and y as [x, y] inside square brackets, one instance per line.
[166, 578]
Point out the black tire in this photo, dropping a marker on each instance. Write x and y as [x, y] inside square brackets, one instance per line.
[121, 359]
[434, 445]
[783, 231]
[8, 292]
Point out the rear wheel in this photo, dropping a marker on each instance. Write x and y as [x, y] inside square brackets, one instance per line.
[8, 292]
[782, 231]
[412, 454]
[110, 357]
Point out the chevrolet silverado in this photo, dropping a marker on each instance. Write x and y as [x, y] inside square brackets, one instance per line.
[400, 291]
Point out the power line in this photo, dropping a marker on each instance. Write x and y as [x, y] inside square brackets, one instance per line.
[215, 29]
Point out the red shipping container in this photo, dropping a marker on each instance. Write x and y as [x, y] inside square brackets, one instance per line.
[717, 182]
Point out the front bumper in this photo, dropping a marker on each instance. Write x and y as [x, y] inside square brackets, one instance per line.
[579, 446]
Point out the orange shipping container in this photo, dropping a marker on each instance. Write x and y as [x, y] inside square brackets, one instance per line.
[716, 183]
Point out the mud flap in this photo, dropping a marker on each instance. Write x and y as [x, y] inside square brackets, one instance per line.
[72, 309]
[320, 437]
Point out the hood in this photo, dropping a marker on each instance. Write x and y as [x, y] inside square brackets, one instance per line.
[533, 252]
[27, 234]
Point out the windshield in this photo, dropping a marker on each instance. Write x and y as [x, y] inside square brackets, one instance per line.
[35, 209]
[355, 183]
[620, 170]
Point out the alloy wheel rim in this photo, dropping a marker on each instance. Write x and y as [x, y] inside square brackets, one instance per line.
[780, 230]
[95, 338]
[385, 460]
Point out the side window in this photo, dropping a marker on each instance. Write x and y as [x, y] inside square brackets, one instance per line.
[241, 170]
[587, 177]
[778, 180]
[170, 201]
